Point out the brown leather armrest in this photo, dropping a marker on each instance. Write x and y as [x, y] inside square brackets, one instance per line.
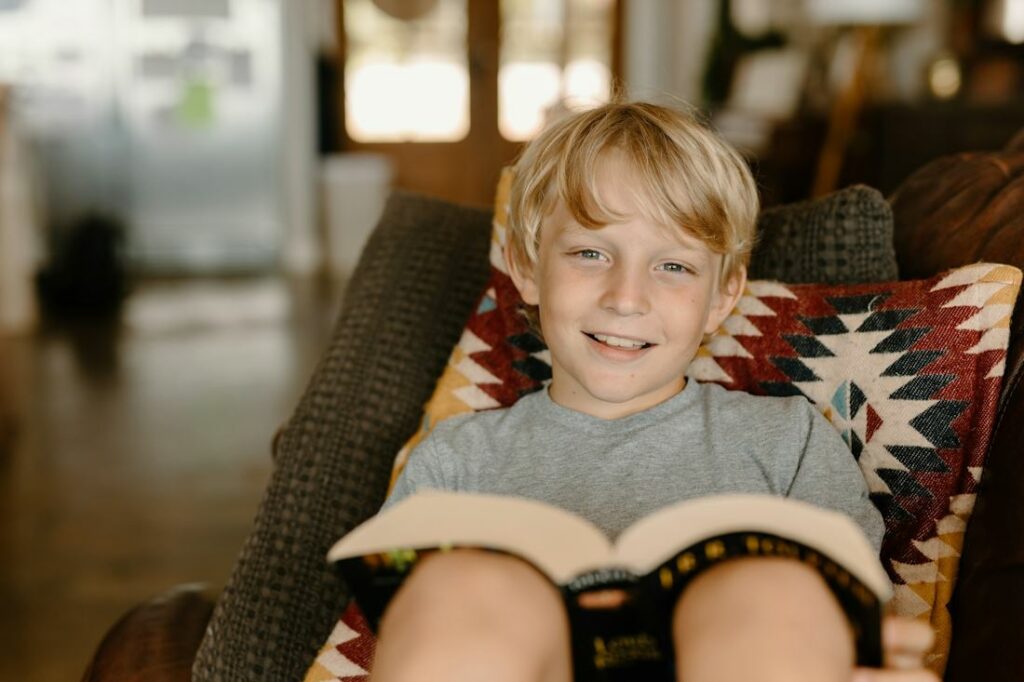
[155, 641]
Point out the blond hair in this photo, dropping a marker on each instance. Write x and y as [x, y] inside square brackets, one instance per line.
[684, 176]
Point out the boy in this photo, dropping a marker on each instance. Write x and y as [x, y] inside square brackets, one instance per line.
[630, 227]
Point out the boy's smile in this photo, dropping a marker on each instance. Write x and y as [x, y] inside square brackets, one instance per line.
[623, 307]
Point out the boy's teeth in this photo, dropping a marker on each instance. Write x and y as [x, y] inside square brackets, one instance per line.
[619, 342]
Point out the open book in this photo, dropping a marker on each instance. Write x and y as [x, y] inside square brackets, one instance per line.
[648, 566]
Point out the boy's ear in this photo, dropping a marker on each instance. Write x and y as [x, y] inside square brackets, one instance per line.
[725, 300]
[522, 277]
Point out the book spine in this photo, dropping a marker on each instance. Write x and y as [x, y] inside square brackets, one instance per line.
[618, 628]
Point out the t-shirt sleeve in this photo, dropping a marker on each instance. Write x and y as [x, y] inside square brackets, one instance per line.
[422, 470]
[828, 475]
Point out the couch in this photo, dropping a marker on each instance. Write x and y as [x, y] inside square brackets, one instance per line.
[416, 282]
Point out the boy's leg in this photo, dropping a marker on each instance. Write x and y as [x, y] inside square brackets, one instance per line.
[761, 619]
[473, 615]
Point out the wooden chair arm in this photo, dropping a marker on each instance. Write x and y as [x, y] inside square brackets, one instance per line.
[155, 641]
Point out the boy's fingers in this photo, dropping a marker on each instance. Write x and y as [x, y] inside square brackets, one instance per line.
[903, 661]
[872, 675]
[906, 635]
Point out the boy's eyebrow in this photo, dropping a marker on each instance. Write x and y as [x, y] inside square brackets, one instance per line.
[694, 245]
[572, 228]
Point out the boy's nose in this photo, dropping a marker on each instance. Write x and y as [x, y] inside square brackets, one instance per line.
[625, 292]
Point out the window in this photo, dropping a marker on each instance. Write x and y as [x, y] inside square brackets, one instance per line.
[406, 80]
[553, 52]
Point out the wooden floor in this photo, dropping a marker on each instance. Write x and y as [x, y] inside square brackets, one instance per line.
[139, 455]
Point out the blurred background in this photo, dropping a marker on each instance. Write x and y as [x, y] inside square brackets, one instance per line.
[185, 186]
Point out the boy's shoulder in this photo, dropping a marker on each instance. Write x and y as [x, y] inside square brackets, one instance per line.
[738, 405]
[486, 422]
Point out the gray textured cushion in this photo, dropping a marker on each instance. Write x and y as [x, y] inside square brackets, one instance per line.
[404, 309]
[843, 238]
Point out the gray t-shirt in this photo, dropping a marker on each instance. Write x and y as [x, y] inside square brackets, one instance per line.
[703, 441]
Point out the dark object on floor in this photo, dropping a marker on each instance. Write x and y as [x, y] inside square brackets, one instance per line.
[86, 276]
[155, 655]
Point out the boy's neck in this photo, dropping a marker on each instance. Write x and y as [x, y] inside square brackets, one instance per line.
[608, 410]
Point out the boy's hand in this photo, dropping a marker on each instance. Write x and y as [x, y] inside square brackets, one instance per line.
[904, 644]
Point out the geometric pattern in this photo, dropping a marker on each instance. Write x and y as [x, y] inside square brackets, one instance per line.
[908, 372]
[348, 653]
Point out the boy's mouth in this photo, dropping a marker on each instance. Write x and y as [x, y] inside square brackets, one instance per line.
[618, 341]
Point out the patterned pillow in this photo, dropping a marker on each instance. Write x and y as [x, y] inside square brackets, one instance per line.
[909, 372]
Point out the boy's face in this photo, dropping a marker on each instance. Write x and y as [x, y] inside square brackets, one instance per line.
[623, 307]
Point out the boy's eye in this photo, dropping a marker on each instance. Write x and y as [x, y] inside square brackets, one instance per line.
[588, 254]
[674, 267]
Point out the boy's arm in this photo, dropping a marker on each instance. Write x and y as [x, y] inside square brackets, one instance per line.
[423, 469]
[828, 475]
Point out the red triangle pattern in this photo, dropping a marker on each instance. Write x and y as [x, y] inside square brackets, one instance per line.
[359, 649]
[494, 328]
[874, 421]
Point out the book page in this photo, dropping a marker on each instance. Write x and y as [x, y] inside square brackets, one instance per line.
[557, 542]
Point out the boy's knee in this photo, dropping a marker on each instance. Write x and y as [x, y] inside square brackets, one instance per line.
[472, 579]
[467, 612]
[780, 612]
[764, 583]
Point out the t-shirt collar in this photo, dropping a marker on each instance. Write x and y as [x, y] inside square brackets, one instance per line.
[567, 416]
